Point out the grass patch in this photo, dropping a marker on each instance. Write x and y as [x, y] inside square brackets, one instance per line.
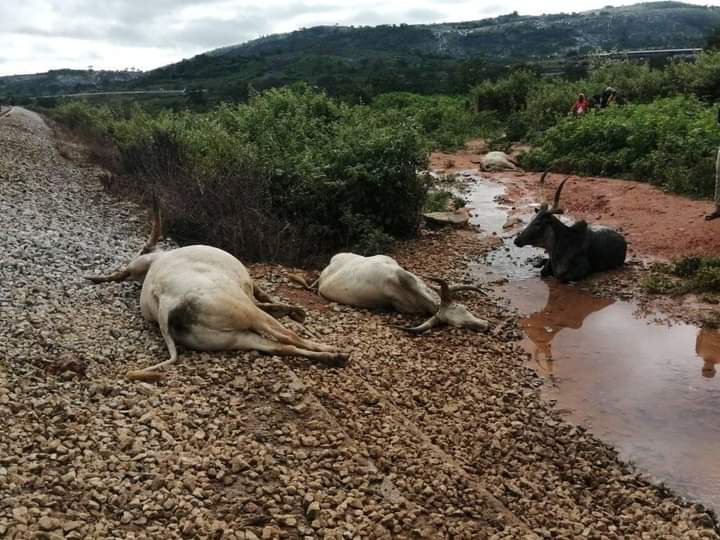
[442, 201]
[687, 275]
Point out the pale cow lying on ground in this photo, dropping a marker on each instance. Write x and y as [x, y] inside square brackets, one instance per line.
[205, 299]
[498, 161]
[380, 282]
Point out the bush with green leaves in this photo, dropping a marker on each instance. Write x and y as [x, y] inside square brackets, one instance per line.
[636, 83]
[443, 201]
[690, 274]
[446, 121]
[290, 175]
[546, 104]
[505, 95]
[84, 119]
[701, 77]
[670, 142]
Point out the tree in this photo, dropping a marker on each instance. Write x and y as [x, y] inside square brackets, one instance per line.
[712, 42]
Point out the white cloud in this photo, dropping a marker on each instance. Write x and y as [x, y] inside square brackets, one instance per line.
[37, 35]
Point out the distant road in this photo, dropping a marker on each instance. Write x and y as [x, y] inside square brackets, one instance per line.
[125, 93]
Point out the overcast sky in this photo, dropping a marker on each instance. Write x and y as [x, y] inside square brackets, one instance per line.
[38, 35]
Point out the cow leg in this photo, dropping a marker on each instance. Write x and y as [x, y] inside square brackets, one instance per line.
[281, 310]
[541, 263]
[121, 275]
[265, 324]
[260, 295]
[264, 302]
[164, 308]
[574, 270]
[247, 340]
[135, 270]
[580, 269]
[547, 269]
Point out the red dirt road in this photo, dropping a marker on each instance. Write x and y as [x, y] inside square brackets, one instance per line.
[656, 224]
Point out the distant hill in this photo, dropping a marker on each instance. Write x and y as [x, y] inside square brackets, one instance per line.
[645, 25]
[63, 81]
[364, 61]
[436, 57]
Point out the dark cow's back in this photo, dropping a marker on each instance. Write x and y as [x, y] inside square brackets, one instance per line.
[607, 248]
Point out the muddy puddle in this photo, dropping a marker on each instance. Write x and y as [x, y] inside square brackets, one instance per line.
[648, 388]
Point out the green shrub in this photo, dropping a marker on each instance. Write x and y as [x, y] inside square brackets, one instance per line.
[288, 176]
[547, 103]
[690, 274]
[85, 119]
[637, 83]
[505, 95]
[670, 142]
[442, 201]
[701, 77]
[687, 267]
[660, 284]
[446, 121]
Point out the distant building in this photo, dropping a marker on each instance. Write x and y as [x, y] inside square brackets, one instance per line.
[646, 54]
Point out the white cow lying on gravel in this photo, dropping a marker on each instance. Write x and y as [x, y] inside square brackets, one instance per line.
[380, 282]
[205, 299]
[498, 161]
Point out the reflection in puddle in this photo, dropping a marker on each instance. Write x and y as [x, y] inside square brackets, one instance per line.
[707, 347]
[566, 307]
[644, 386]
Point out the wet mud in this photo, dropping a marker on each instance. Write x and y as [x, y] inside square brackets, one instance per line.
[644, 384]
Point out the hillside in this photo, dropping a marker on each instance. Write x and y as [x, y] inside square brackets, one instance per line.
[646, 25]
[361, 62]
[63, 81]
[434, 58]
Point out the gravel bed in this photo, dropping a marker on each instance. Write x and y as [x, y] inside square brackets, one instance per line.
[442, 436]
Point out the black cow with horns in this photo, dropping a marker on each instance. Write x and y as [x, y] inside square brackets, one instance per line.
[576, 250]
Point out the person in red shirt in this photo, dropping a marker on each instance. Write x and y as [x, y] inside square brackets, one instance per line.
[581, 105]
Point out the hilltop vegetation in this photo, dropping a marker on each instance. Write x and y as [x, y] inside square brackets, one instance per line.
[358, 63]
[61, 81]
[441, 58]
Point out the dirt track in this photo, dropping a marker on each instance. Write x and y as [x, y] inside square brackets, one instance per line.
[657, 224]
[443, 436]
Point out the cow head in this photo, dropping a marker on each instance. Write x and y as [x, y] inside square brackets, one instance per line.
[539, 231]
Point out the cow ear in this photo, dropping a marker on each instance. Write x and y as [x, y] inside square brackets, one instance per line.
[537, 210]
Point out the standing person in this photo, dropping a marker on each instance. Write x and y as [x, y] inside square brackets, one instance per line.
[608, 97]
[580, 106]
[716, 212]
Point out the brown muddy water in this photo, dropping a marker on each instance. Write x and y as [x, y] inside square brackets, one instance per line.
[649, 388]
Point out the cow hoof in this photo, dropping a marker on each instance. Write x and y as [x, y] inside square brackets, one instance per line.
[338, 360]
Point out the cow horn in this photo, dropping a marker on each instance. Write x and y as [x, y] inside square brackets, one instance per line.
[542, 178]
[542, 184]
[156, 231]
[556, 200]
[445, 294]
